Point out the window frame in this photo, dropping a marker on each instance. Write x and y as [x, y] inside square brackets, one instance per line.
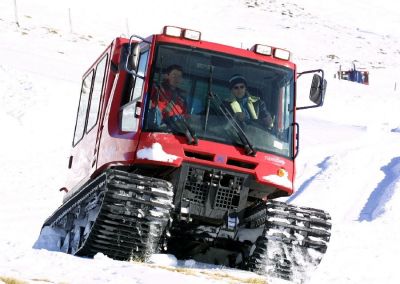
[74, 140]
[257, 89]
[134, 98]
[105, 57]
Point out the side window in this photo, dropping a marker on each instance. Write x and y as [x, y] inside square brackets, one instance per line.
[137, 90]
[128, 112]
[82, 109]
[96, 93]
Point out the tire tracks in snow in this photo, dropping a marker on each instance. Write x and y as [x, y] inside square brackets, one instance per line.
[323, 166]
[375, 205]
[344, 179]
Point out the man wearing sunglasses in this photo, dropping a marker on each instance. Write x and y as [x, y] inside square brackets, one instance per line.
[244, 106]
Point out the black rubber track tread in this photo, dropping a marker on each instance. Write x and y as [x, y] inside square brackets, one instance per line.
[283, 226]
[134, 211]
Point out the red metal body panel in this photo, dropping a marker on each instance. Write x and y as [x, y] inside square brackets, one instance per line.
[216, 155]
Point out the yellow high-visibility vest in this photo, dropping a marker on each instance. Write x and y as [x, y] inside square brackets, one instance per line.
[250, 106]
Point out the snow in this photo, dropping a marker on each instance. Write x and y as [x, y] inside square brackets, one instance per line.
[155, 153]
[349, 160]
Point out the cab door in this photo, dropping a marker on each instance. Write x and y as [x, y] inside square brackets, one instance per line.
[83, 154]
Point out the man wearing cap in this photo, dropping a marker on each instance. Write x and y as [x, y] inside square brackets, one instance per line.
[244, 106]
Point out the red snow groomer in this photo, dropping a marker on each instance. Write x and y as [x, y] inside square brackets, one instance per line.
[181, 146]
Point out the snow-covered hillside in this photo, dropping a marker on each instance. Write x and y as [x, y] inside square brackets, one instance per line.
[349, 161]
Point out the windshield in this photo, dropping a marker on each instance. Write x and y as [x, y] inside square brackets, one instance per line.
[222, 98]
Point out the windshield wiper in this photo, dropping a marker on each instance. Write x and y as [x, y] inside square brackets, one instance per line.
[189, 132]
[248, 147]
[208, 98]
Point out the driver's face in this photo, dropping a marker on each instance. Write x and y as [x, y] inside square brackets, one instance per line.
[239, 90]
[174, 78]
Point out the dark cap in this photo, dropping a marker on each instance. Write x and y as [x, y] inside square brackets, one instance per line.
[236, 79]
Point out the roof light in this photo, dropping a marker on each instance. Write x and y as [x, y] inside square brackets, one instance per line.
[172, 31]
[191, 34]
[282, 54]
[262, 49]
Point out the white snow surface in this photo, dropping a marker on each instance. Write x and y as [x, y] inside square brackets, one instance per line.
[349, 161]
[155, 153]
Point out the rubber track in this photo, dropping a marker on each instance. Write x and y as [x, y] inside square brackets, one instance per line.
[289, 233]
[133, 213]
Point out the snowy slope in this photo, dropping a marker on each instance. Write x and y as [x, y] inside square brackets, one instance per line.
[349, 162]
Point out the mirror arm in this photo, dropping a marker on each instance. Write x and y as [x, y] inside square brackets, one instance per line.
[311, 71]
[139, 37]
[306, 107]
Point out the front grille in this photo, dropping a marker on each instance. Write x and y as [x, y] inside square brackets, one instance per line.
[213, 189]
[195, 191]
[227, 198]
